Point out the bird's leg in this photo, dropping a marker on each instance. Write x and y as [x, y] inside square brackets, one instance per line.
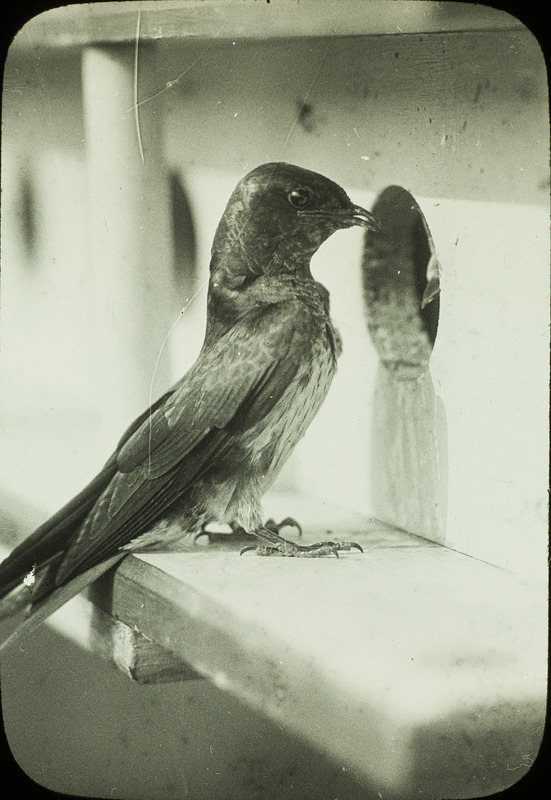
[239, 534]
[274, 545]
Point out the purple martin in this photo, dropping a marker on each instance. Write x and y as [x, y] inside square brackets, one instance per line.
[208, 449]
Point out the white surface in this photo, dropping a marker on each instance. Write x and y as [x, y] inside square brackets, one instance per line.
[423, 669]
[414, 662]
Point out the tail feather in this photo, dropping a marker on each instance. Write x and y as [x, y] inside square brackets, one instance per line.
[53, 536]
[24, 618]
[40, 555]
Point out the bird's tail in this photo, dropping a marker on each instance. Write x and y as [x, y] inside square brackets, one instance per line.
[28, 575]
[40, 552]
[19, 616]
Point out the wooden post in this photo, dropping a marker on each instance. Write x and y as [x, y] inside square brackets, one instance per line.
[130, 235]
[409, 455]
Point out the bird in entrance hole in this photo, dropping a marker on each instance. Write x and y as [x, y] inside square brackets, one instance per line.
[208, 449]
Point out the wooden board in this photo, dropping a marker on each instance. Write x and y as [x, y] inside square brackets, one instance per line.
[410, 662]
[117, 22]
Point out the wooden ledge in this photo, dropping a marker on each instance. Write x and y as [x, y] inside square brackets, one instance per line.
[423, 668]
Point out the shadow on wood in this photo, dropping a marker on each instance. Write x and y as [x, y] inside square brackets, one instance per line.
[130, 651]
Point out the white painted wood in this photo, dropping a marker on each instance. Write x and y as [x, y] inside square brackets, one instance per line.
[410, 662]
[116, 22]
[130, 233]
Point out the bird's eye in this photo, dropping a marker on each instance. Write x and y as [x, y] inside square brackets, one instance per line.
[300, 198]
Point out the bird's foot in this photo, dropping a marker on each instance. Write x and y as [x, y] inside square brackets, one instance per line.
[275, 545]
[276, 527]
[239, 535]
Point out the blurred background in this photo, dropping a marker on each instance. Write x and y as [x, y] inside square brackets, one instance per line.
[116, 168]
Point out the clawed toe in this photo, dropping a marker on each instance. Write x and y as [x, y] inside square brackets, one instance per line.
[236, 534]
[288, 522]
[329, 548]
[211, 536]
[272, 544]
[262, 550]
[291, 550]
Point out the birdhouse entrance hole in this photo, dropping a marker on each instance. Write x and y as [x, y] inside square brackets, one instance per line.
[401, 285]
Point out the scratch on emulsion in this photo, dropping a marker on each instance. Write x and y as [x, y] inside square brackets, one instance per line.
[136, 105]
[169, 84]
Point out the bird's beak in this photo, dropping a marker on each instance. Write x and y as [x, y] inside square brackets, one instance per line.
[360, 216]
[345, 217]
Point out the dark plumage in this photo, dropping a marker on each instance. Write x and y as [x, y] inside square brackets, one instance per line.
[210, 447]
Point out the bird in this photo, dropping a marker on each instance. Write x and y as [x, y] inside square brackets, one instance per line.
[209, 448]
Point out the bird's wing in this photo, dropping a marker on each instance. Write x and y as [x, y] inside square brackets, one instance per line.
[242, 375]
[232, 385]
[51, 537]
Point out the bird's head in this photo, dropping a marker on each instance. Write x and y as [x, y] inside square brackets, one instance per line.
[278, 216]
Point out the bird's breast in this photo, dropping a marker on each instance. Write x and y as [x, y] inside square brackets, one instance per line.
[273, 439]
[233, 490]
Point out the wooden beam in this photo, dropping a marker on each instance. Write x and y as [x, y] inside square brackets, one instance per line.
[95, 23]
[130, 225]
[127, 648]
